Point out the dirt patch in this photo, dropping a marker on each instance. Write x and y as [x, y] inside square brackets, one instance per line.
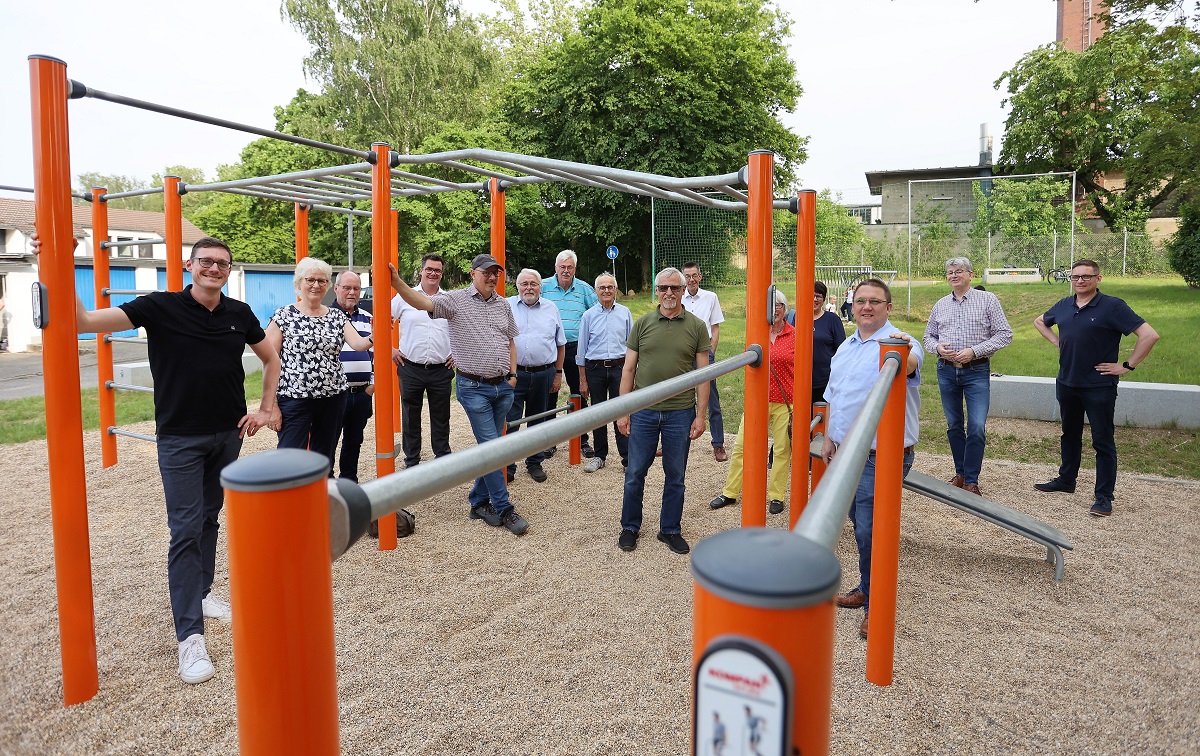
[468, 640]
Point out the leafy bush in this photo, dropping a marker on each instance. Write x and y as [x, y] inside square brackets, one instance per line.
[1183, 251]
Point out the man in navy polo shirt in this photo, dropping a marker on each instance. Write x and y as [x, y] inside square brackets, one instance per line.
[1090, 327]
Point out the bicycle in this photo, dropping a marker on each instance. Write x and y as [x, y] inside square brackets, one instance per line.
[1058, 275]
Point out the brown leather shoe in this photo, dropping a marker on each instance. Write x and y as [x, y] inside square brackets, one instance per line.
[956, 481]
[862, 629]
[719, 454]
[972, 488]
[851, 600]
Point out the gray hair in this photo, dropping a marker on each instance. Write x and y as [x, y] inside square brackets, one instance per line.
[345, 273]
[960, 262]
[609, 276]
[536, 275]
[670, 272]
[781, 298]
[308, 264]
[567, 254]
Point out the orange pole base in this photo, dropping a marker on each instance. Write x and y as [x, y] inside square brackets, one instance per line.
[576, 446]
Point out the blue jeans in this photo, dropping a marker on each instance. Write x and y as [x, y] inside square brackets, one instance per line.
[312, 423]
[1099, 404]
[191, 474]
[646, 427]
[354, 419]
[968, 388]
[862, 514]
[531, 396]
[486, 406]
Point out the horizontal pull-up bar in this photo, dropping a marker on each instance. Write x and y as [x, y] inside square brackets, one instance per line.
[115, 431]
[77, 90]
[394, 492]
[128, 387]
[260, 180]
[125, 339]
[129, 243]
[131, 292]
[131, 193]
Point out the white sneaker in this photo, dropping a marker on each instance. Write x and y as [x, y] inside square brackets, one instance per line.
[593, 464]
[215, 608]
[194, 664]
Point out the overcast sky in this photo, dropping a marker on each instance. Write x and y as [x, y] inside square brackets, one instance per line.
[887, 83]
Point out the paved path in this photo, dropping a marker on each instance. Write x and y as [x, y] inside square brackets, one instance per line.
[21, 373]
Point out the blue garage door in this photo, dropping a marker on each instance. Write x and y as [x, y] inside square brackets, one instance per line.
[85, 287]
[267, 291]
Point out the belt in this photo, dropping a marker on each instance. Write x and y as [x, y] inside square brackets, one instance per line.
[480, 379]
[972, 363]
[618, 362]
[535, 368]
[358, 389]
[423, 366]
[907, 450]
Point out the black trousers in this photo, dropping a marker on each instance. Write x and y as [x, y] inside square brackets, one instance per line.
[415, 382]
[604, 383]
[530, 397]
[354, 420]
[571, 373]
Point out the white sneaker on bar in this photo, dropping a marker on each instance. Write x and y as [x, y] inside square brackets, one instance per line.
[593, 464]
[194, 664]
[215, 608]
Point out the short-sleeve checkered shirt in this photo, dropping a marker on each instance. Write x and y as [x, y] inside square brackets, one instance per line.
[479, 330]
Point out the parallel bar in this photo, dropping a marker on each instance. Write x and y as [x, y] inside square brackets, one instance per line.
[827, 509]
[114, 431]
[393, 492]
[130, 243]
[539, 416]
[79, 90]
[128, 387]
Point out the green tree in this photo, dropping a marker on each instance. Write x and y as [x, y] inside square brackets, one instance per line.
[189, 204]
[1183, 251]
[393, 70]
[836, 227]
[675, 87]
[1023, 208]
[114, 185]
[1128, 103]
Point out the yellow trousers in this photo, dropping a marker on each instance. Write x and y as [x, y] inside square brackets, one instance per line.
[777, 483]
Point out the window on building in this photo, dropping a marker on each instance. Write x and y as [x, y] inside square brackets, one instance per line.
[126, 251]
[145, 251]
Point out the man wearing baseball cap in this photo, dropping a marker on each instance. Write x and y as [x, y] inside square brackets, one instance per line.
[485, 357]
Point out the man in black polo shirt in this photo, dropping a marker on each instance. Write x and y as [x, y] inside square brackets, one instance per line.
[195, 342]
[1090, 327]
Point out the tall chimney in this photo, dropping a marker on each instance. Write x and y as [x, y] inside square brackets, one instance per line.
[985, 145]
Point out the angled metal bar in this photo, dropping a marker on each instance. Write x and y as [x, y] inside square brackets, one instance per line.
[476, 169]
[131, 193]
[240, 183]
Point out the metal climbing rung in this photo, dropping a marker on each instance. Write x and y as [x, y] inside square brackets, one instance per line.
[110, 339]
[115, 431]
[138, 292]
[127, 387]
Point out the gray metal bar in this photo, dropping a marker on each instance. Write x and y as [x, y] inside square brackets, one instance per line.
[815, 421]
[328, 195]
[476, 169]
[130, 243]
[425, 180]
[539, 416]
[283, 198]
[830, 503]
[132, 193]
[115, 431]
[396, 491]
[421, 192]
[136, 292]
[125, 340]
[128, 387]
[258, 180]
[328, 186]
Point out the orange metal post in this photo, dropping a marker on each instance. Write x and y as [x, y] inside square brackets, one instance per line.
[776, 589]
[392, 375]
[60, 359]
[818, 465]
[885, 549]
[576, 453]
[497, 230]
[301, 231]
[806, 274]
[281, 590]
[104, 350]
[381, 329]
[760, 183]
[173, 220]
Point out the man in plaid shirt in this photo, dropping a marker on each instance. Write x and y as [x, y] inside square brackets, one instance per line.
[966, 327]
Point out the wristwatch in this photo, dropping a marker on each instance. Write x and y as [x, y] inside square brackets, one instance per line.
[1127, 366]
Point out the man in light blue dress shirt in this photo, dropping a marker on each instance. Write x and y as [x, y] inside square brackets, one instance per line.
[541, 348]
[600, 359]
[853, 371]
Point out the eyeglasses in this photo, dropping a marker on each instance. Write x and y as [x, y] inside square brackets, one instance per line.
[607, 287]
[488, 273]
[664, 288]
[433, 270]
[1082, 277]
[208, 262]
[956, 273]
[322, 282]
[343, 287]
[872, 302]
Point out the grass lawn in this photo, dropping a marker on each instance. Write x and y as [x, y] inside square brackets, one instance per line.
[1168, 305]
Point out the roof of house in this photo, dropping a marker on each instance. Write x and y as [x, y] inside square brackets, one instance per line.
[18, 214]
[877, 179]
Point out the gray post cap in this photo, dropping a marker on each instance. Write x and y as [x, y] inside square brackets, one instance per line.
[766, 568]
[275, 470]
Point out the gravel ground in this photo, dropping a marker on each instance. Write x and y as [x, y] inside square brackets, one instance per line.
[467, 640]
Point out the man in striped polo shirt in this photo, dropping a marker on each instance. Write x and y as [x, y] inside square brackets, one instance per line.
[573, 298]
[357, 366]
[482, 330]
